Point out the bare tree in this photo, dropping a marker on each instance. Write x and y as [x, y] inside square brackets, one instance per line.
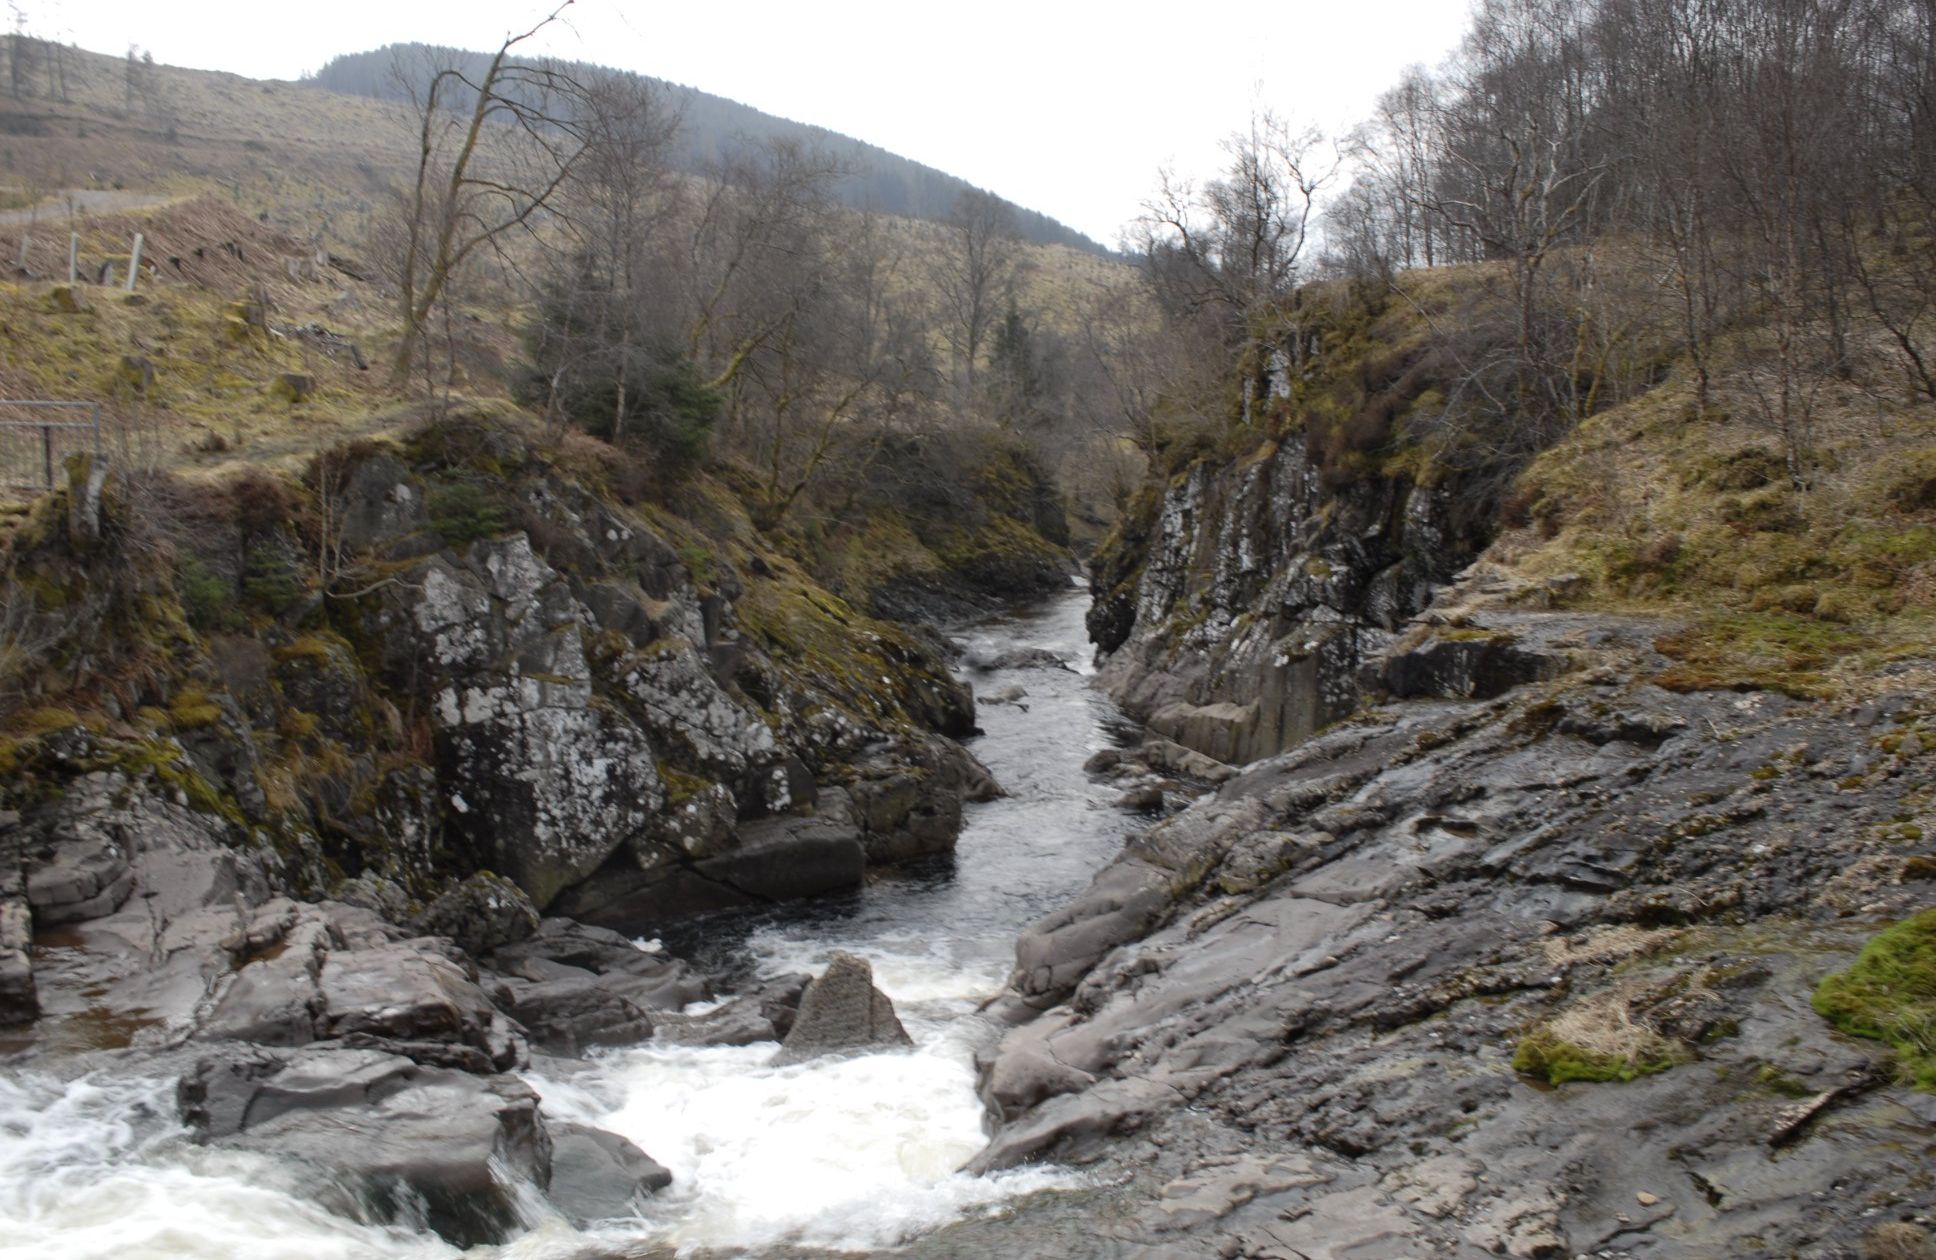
[975, 276]
[493, 153]
[1232, 250]
[751, 250]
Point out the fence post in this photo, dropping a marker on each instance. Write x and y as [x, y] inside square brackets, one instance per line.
[73, 257]
[134, 262]
[47, 452]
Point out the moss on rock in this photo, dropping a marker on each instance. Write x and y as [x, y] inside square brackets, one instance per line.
[1889, 995]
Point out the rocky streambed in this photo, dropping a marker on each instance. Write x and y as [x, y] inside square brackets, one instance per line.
[216, 1071]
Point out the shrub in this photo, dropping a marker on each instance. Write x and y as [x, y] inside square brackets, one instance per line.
[463, 513]
[260, 502]
[207, 598]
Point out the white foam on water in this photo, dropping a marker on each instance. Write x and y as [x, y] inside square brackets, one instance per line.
[99, 1170]
[840, 1153]
[914, 969]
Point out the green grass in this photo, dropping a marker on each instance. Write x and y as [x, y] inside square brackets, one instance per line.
[1552, 1059]
[1557, 1061]
[1889, 995]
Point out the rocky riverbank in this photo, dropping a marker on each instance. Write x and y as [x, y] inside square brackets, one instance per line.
[1344, 1006]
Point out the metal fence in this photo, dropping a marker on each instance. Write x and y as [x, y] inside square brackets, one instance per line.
[36, 437]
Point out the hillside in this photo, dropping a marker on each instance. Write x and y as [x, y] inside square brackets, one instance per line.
[713, 127]
[315, 153]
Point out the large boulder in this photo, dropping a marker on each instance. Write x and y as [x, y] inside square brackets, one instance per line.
[843, 1013]
[382, 1132]
[481, 914]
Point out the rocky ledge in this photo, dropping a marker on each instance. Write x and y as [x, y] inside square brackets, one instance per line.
[1520, 964]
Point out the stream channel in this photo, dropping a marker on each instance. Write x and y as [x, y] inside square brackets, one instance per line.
[845, 1155]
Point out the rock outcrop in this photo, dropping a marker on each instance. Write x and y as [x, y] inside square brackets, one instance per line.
[1238, 607]
[497, 670]
[1305, 1016]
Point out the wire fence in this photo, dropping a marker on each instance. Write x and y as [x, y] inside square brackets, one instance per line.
[36, 437]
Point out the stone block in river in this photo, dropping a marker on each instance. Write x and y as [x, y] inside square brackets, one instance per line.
[386, 1131]
[1222, 731]
[842, 1012]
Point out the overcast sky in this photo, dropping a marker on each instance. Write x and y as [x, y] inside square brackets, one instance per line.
[1064, 107]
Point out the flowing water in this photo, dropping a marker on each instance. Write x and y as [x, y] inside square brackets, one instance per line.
[846, 1154]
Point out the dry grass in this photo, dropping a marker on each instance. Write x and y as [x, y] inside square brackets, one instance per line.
[1606, 943]
[1597, 1038]
[1663, 510]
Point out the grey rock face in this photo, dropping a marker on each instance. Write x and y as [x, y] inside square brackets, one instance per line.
[541, 784]
[1259, 592]
[842, 1012]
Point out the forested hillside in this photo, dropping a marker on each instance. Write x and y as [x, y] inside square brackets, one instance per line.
[713, 131]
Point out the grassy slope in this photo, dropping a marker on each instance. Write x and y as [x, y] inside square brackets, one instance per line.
[1660, 509]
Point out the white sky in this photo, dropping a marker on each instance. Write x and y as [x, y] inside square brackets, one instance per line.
[1064, 107]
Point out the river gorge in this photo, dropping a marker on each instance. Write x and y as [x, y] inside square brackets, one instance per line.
[846, 1153]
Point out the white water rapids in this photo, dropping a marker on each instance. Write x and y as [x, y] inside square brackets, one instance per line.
[846, 1154]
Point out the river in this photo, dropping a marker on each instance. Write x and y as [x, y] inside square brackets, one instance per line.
[846, 1155]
